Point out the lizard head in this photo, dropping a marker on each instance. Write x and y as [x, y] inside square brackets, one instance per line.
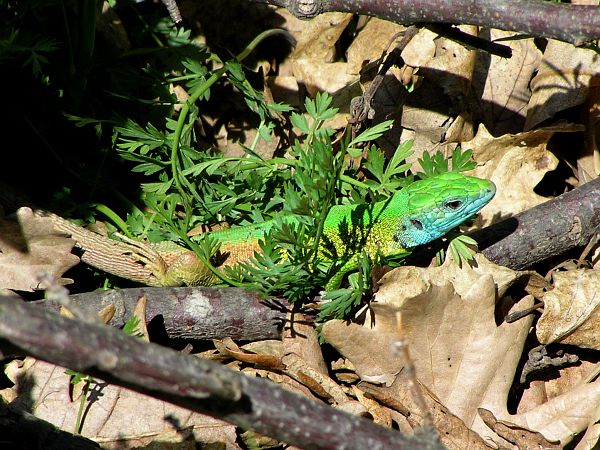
[435, 205]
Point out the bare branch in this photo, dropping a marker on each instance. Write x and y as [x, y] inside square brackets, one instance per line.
[577, 24]
[191, 313]
[549, 229]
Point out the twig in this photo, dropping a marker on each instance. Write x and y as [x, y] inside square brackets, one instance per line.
[550, 229]
[173, 10]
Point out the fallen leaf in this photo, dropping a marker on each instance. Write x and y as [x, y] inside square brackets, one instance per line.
[571, 310]
[30, 246]
[516, 163]
[503, 83]
[562, 80]
[459, 350]
[453, 432]
[522, 437]
[370, 43]
[116, 417]
[563, 417]
[445, 69]
[313, 57]
[301, 339]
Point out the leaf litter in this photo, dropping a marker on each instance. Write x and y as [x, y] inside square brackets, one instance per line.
[452, 320]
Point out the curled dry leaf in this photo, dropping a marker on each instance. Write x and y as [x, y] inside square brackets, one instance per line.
[562, 418]
[319, 383]
[30, 246]
[315, 51]
[301, 339]
[380, 414]
[590, 439]
[521, 436]
[370, 43]
[400, 396]
[228, 347]
[571, 310]
[446, 68]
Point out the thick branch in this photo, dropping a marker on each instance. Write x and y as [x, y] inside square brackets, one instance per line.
[187, 381]
[577, 24]
[550, 229]
[198, 313]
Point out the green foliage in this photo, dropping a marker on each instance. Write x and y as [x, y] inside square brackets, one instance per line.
[462, 248]
[132, 327]
[88, 381]
[438, 163]
[392, 176]
[31, 49]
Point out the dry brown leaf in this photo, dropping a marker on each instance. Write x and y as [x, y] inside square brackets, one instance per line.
[373, 358]
[370, 43]
[107, 313]
[420, 51]
[590, 439]
[228, 347]
[453, 432]
[291, 364]
[271, 347]
[563, 417]
[516, 164]
[571, 310]
[300, 338]
[504, 84]
[117, 417]
[449, 324]
[446, 68]
[368, 47]
[562, 80]
[315, 51]
[29, 247]
[522, 437]
[539, 391]
[430, 109]
[487, 355]
[140, 312]
[316, 381]
[380, 414]
[588, 163]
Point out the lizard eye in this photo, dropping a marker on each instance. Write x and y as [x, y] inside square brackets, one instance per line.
[453, 204]
[417, 224]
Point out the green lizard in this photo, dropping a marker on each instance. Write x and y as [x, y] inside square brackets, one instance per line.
[420, 213]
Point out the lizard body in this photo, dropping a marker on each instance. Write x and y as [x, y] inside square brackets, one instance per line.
[420, 213]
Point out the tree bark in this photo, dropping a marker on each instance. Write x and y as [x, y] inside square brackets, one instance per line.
[568, 221]
[577, 24]
[191, 314]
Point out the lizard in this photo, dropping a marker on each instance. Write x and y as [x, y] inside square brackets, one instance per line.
[421, 212]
